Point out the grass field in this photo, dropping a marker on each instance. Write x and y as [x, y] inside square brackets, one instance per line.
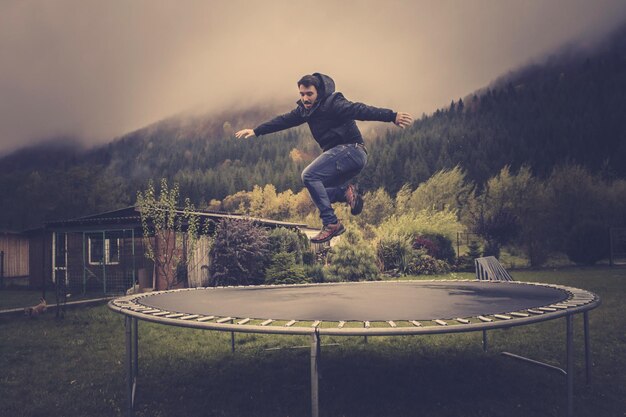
[10, 299]
[74, 367]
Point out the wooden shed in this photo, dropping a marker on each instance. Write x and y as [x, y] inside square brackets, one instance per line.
[105, 252]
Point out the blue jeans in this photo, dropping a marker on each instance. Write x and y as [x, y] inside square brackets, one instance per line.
[327, 177]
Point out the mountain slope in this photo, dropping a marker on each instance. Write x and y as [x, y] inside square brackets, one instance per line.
[568, 109]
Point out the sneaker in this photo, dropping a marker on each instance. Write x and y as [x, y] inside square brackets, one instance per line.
[354, 199]
[328, 232]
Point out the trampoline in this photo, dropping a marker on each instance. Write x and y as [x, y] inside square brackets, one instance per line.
[360, 309]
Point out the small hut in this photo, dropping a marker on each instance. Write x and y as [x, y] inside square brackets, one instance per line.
[105, 252]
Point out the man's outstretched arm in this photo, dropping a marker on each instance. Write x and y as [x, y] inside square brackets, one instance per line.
[282, 122]
[403, 120]
[360, 111]
[245, 133]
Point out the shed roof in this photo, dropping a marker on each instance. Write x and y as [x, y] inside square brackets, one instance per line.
[130, 217]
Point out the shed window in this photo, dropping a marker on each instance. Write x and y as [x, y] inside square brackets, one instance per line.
[104, 251]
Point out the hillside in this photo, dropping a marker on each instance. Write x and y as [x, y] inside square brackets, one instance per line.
[568, 109]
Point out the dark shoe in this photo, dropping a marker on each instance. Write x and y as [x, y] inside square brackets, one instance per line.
[354, 199]
[328, 232]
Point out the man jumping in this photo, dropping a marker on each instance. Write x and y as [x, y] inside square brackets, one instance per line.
[331, 118]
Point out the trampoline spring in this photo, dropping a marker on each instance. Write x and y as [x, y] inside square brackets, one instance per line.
[316, 323]
[534, 311]
[441, 322]
[502, 317]
[463, 321]
[207, 318]
[192, 316]
[485, 319]
[224, 320]
[291, 323]
[174, 316]
[244, 321]
[366, 324]
[416, 323]
[548, 309]
[392, 324]
[515, 314]
[341, 324]
[266, 322]
[162, 313]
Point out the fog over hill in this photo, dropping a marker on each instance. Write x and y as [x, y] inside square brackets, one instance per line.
[565, 109]
[97, 70]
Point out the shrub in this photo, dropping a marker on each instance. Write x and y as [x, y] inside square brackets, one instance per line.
[422, 242]
[422, 222]
[437, 245]
[314, 273]
[239, 253]
[587, 243]
[286, 240]
[283, 269]
[394, 253]
[537, 251]
[492, 248]
[352, 259]
[424, 264]
[464, 263]
[473, 250]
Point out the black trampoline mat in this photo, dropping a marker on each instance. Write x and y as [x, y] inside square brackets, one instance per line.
[365, 301]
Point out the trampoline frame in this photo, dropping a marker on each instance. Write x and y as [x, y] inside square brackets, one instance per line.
[578, 301]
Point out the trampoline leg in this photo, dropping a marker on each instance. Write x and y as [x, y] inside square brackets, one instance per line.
[485, 346]
[587, 347]
[315, 351]
[570, 365]
[232, 338]
[136, 346]
[130, 367]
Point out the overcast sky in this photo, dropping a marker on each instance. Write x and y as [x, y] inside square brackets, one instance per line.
[98, 69]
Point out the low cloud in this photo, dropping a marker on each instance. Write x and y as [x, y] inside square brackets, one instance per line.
[96, 70]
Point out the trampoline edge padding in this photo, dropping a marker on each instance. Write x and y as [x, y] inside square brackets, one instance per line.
[173, 307]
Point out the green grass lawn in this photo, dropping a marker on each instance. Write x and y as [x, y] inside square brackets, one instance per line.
[75, 367]
[10, 299]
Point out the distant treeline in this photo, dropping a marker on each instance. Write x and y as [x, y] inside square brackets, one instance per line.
[568, 111]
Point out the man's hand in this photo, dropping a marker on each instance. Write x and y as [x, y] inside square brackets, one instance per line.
[403, 120]
[245, 133]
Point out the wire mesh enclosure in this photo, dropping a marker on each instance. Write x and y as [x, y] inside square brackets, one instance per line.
[617, 237]
[101, 261]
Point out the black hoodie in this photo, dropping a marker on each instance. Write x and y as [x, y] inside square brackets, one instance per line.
[331, 119]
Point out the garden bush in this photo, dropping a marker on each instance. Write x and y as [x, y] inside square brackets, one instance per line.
[282, 239]
[352, 259]
[315, 273]
[422, 222]
[464, 263]
[239, 253]
[424, 264]
[284, 269]
[437, 245]
[587, 243]
[394, 253]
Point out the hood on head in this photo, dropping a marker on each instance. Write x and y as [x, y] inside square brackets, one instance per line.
[328, 85]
